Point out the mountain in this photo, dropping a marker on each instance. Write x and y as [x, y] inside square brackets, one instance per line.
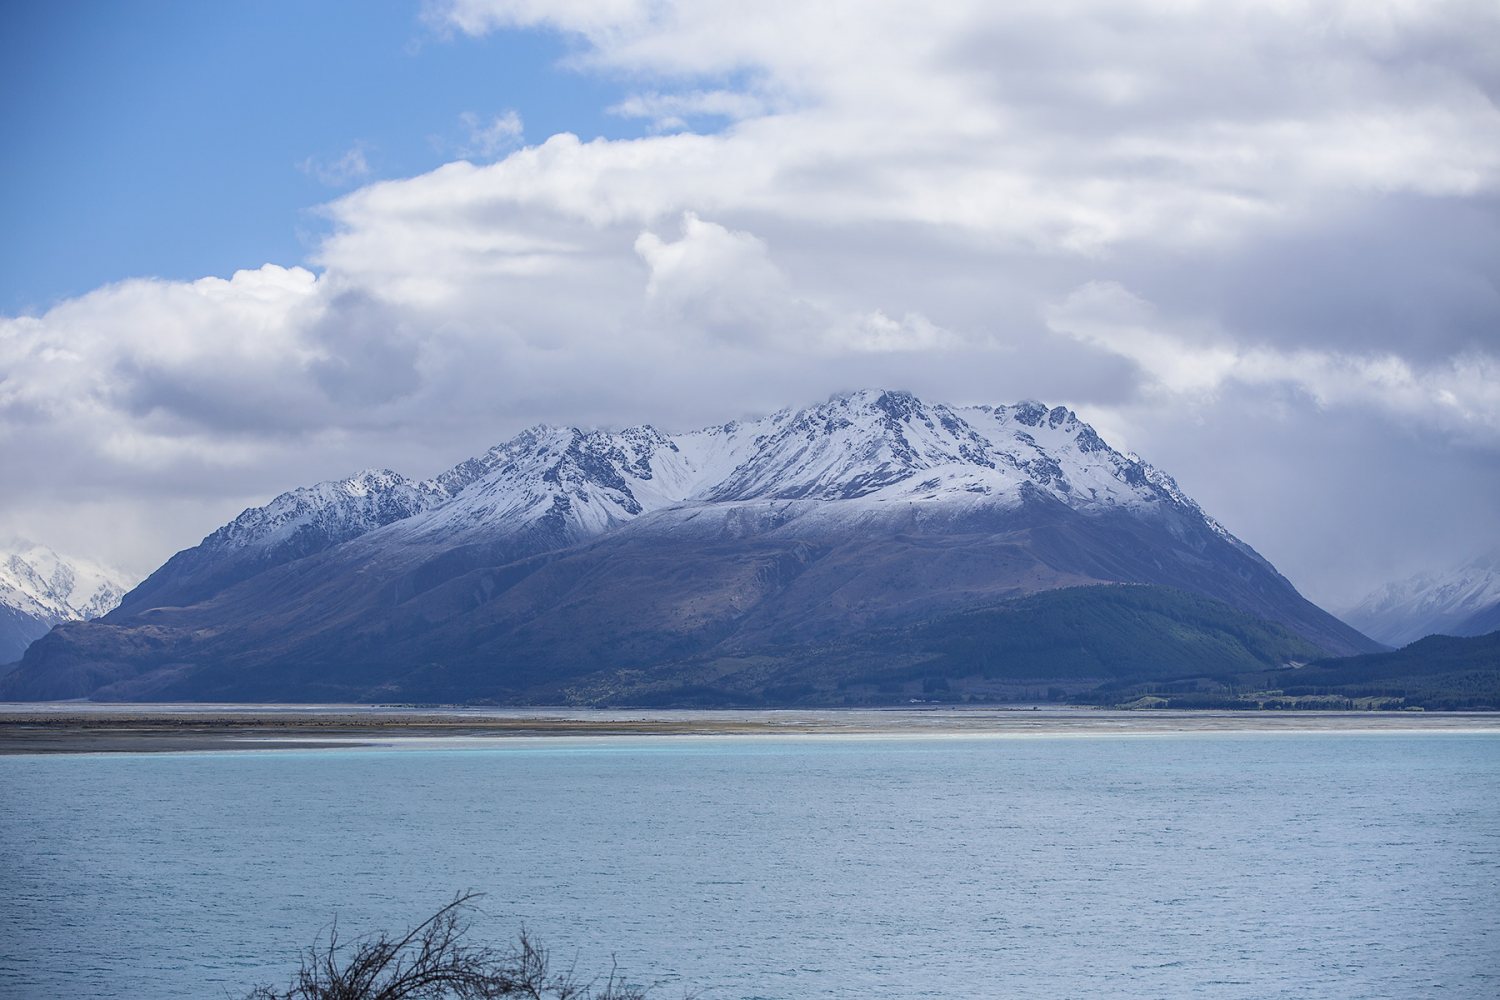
[599, 566]
[295, 524]
[1464, 601]
[39, 588]
[1065, 643]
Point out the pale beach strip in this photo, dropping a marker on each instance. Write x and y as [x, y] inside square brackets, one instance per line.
[74, 727]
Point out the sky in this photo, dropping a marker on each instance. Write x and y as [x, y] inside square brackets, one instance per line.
[253, 246]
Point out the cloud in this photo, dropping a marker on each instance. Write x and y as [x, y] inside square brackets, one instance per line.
[1107, 315]
[488, 139]
[350, 167]
[1233, 210]
[673, 111]
[1460, 393]
[878, 333]
[721, 283]
[1083, 124]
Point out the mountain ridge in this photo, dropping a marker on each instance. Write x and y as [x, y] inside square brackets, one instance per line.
[567, 550]
[39, 588]
[1463, 601]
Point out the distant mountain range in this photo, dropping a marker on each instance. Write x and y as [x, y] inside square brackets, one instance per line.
[815, 555]
[1464, 601]
[39, 588]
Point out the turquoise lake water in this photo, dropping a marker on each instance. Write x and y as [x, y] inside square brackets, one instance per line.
[1214, 865]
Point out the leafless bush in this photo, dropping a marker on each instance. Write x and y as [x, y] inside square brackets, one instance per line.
[433, 961]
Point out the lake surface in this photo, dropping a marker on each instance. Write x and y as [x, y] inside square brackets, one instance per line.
[1216, 865]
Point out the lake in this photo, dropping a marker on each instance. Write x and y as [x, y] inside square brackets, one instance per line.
[1206, 864]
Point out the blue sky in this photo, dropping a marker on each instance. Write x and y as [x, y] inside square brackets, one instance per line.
[1253, 242]
[179, 138]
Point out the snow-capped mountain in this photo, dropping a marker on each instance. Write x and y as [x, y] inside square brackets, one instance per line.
[565, 550]
[863, 453]
[1464, 601]
[295, 524]
[858, 451]
[39, 588]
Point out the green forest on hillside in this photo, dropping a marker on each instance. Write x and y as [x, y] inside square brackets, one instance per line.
[1112, 645]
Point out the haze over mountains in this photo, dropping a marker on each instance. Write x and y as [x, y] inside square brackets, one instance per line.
[807, 555]
[1464, 601]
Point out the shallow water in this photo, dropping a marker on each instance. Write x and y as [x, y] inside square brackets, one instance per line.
[1222, 865]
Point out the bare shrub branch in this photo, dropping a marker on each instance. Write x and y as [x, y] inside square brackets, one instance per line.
[433, 961]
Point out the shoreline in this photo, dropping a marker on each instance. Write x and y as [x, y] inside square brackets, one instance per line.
[73, 728]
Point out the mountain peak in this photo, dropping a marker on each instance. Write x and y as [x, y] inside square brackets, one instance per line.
[568, 552]
[39, 588]
[1460, 601]
[876, 450]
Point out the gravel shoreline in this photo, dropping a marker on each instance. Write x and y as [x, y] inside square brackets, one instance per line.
[73, 728]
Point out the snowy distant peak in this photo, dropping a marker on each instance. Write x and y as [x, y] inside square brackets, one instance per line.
[462, 475]
[1485, 562]
[596, 464]
[1428, 603]
[1028, 412]
[891, 442]
[1464, 589]
[1034, 414]
[335, 510]
[36, 581]
[871, 445]
[848, 447]
[564, 480]
[574, 459]
[471, 470]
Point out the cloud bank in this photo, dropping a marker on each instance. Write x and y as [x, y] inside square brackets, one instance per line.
[1253, 241]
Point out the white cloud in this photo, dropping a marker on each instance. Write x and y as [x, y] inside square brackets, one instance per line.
[488, 138]
[1107, 315]
[878, 333]
[879, 192]
[718, 282]
[672, 111]
[723, 283]
[1078, 126]
[352, 166]
[1460, 393]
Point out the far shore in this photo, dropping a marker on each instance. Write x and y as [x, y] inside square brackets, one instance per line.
[74, 727]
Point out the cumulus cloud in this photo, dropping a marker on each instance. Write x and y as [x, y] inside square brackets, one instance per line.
[1460, 393]
[717, 281]
[1082, 124]
[169, 354]
[1229, 208]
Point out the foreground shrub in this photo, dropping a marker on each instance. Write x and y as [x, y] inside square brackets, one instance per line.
[434, 961]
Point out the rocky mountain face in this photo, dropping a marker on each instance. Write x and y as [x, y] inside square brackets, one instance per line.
[589, 565]
[1464, 601]
[39, 588]
[298, 523]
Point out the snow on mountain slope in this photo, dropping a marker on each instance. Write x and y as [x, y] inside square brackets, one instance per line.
[852, 454]
[35, 579]
[577, 483]
[1431, 603]
[870, 454]
[295, 524]
[852, 446]
[885, 445]
[39, 588]
[335, 510]
[566, 550]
